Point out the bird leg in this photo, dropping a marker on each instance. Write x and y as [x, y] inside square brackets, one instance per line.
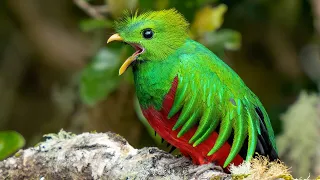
[180, 162]
[205, 167]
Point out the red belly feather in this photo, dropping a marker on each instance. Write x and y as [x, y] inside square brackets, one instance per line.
[163, 126]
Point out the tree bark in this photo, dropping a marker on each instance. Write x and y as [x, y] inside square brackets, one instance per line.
[99, 156]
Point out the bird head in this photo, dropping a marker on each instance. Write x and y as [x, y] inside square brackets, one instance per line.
[154, 35]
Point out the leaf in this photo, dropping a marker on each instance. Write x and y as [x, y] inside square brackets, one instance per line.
[161, 4]
[100, 77]
[223, 39]
[201, 2]
[10, 142]
[116, 7]
[208, 19]
[93, 24]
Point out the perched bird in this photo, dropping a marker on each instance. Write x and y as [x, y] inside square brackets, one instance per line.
[189, 96]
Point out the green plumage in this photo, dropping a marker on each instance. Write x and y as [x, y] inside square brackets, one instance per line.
[209, 92]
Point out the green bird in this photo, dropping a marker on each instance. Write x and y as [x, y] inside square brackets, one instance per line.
[189, 96]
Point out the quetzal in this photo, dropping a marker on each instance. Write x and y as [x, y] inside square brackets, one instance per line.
[189, 96]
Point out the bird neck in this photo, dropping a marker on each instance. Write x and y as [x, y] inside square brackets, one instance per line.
[153, 78]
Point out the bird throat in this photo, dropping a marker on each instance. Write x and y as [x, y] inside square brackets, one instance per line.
[153, 80]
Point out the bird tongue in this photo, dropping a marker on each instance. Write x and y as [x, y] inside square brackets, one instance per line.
[127, 63]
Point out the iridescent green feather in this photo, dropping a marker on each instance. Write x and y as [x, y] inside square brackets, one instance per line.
[209, 92]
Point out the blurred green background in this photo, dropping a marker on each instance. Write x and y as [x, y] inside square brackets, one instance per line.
[57, 72]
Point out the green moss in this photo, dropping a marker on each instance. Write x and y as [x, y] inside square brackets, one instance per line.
[17, 154]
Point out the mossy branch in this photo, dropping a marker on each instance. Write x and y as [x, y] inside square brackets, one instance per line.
[98, 156]
[109, 156]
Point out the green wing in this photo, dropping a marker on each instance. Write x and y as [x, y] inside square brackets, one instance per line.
[210, 93]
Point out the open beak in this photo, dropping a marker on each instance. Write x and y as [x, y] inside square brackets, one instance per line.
[115, 37]
[133, 57]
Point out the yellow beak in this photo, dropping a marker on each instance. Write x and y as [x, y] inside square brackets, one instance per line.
[126, 64]
[115, 37]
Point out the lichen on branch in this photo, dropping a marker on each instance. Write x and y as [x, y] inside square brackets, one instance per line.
[98, 156]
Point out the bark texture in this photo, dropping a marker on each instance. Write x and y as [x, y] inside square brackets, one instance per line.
[99, 156]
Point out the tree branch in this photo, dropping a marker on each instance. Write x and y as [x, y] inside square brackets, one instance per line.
[90, 10]
[98, 156]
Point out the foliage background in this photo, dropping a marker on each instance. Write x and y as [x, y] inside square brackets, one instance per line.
[57, 72]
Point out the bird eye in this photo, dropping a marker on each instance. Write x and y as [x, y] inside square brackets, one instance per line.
[147, 33]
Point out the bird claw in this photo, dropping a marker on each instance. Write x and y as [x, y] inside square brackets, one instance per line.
[205, 167]
[181, 162]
